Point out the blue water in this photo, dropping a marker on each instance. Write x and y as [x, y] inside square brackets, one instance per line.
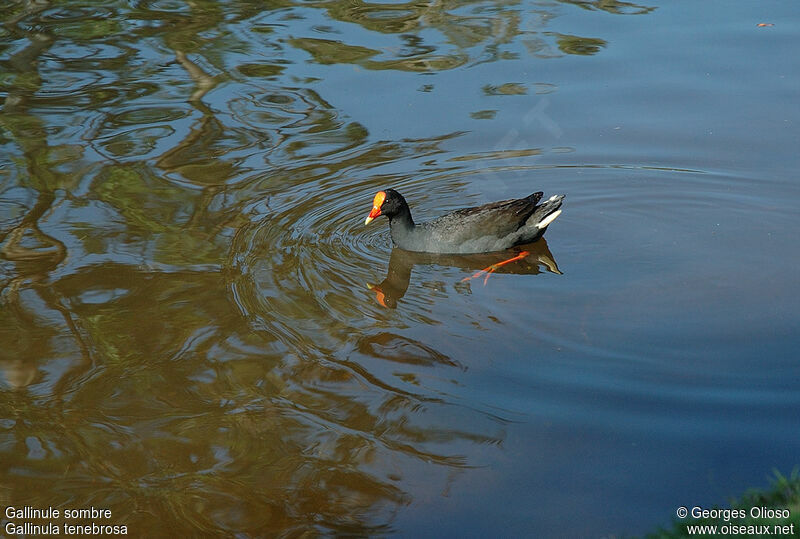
[184, 265]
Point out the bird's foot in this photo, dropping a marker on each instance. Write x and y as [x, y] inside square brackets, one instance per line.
[491, 269]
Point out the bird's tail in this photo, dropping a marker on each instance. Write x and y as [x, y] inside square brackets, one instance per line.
[546, 212]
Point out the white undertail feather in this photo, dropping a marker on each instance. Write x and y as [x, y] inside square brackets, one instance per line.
[549, 219]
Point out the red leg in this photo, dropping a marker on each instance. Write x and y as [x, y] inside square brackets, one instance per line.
[491, 269]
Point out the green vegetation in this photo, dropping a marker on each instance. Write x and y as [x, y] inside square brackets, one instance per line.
[783, 493]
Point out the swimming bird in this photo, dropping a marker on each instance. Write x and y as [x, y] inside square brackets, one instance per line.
[492, 227]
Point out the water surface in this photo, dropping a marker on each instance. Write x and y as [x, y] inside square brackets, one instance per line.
[199, 334]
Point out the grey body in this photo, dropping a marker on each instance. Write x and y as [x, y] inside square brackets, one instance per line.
[493, 227]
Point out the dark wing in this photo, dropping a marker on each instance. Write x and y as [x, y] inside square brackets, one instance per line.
[497, 219]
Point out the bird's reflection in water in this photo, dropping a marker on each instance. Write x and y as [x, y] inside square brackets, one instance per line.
[514, 261]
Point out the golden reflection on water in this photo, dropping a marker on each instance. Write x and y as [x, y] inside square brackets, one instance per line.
[187, 340]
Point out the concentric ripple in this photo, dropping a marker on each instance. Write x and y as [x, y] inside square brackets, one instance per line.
[303, 265]
[651, 306]
[304, 261]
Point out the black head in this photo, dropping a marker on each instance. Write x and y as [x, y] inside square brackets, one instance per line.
[389, 203]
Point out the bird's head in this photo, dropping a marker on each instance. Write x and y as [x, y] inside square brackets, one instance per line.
[388, 203]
